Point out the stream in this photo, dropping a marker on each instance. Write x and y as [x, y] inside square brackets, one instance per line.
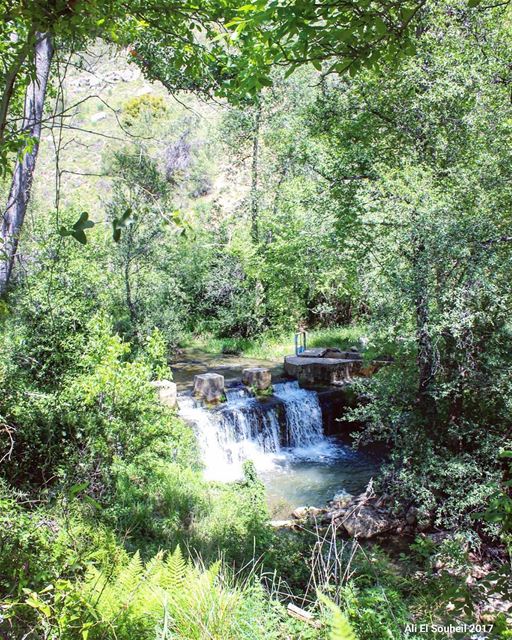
[282, 434]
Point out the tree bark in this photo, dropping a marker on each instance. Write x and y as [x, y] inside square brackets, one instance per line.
[19, 194]
[10, 80]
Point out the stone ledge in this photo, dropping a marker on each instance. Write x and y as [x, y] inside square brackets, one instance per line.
[321, 370]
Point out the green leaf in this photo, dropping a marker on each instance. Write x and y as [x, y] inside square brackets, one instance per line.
[83, 222]
[340, 626]
[78, 229]
[80, 236]
[76, 488]
[94, 503]
[380, 26]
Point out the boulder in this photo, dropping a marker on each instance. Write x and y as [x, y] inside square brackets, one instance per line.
[365, 521]
[257, 378]
[337, 354]
[209, 386]
[167, 392]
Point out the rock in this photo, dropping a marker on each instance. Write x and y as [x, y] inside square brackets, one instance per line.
[167, 392]
[337, 354]
[365, 521]
[383, 501]
[302, 513]
[439, 536]
[257, 377]
[209, 386]
[338, 515]
[341, 500]
[282, 524]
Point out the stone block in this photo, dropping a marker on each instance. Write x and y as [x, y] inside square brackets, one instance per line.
[257, 378]
[209, 386]
[167, 392]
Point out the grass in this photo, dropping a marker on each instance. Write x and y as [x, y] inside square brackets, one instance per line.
[274, 346]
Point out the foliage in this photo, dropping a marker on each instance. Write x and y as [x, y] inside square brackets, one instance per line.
[370, 207]
[145, 105]
[167, 596]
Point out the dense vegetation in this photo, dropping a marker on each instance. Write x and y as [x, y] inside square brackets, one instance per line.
[366, 196]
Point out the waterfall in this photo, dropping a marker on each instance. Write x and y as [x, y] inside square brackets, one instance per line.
[246, 428]
[303, 414]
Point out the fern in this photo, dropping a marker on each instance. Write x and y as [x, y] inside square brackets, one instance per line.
[176, 570]
[172, 598]
[340, 626]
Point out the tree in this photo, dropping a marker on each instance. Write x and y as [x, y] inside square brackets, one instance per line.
[429, 206]
[69, 25]
[14, 215]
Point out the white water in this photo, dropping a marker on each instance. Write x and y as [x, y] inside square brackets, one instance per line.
[303, 415]
[245, 428]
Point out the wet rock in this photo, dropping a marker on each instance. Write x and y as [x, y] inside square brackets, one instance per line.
[365, 521]
[259, 378]
[209, 386]
[167, 392]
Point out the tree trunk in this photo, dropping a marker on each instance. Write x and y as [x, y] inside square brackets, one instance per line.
[10, 81]
[19, 195]
[254, 175]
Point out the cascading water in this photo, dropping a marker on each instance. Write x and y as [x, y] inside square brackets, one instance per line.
[283, 435]
[302, 413]
[264, 431]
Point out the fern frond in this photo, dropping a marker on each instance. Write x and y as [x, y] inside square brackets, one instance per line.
[340, 626]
